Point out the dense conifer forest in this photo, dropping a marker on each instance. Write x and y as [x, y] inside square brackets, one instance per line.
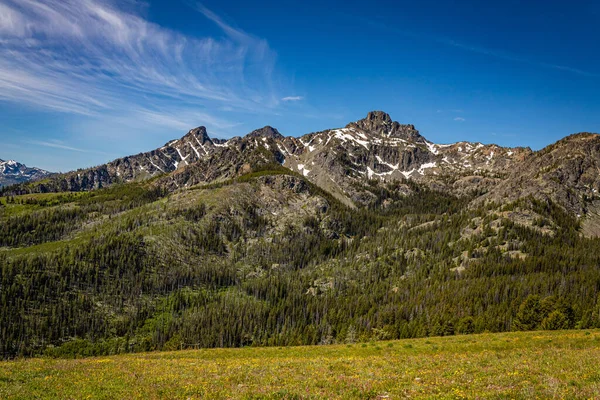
[270, 259]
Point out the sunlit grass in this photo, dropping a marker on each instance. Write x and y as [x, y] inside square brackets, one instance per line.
[510, 365]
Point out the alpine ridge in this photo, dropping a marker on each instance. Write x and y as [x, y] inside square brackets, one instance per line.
[344, 160]
[374, 147]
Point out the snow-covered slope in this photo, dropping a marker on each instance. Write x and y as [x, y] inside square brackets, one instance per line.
[12, 172]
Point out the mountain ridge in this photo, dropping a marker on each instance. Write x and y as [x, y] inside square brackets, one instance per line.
[197, 144]
[343, 160]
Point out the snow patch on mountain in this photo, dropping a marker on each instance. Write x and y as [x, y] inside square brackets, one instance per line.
[13, 172]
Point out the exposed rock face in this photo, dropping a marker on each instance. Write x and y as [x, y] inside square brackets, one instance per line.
[12, 172]
[266, 132]
[194, 146]
[341, 160]
[567, 172]
[378, 148]
[381, 123]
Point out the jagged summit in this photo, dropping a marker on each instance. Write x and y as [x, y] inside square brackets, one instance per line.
[199, 134]
[199, 131]
[266, 132]
[379, 116]
[381, 123]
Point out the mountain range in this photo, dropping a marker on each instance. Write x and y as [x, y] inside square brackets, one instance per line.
[359, 233]
[341, 160]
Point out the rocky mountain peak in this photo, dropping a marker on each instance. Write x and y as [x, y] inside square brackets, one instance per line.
[198, 134]
[375, 121]
[266, 132]
[379, 116]
[380, 123]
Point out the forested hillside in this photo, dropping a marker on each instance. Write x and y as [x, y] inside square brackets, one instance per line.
[269, 258]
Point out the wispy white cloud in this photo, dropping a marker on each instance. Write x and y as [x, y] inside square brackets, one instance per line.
[459, 119]
[292, 98]
[182, 119]
[57, 144]
[98, 59]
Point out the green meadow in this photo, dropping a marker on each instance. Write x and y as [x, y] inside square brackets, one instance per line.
[520, 365]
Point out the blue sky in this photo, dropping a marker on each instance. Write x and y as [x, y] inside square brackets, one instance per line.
[86, 81]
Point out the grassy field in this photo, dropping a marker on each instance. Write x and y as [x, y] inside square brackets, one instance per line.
[528, 365]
